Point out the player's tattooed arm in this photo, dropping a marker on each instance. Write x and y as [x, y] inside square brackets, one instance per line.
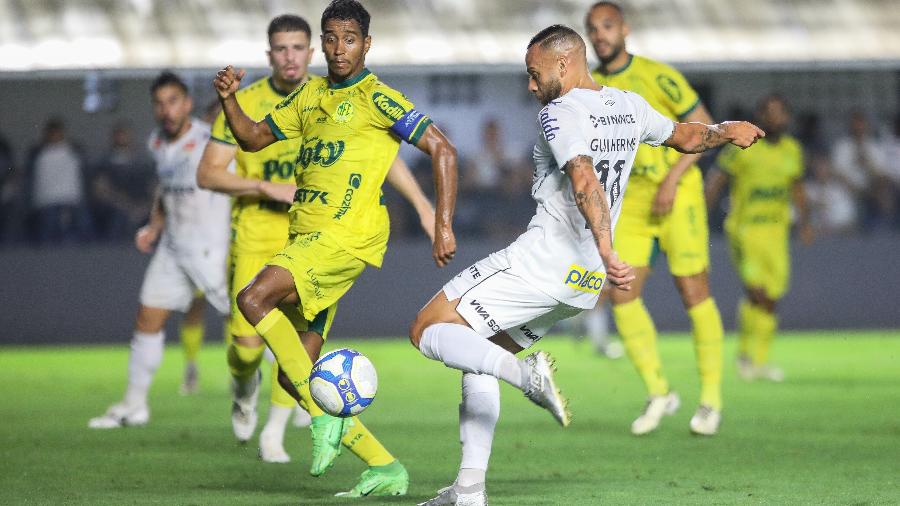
[250, 135]
[698, 137]
[591, 201]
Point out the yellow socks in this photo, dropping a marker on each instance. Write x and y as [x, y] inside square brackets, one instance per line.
[364, 445]
[243, 361]
[191, 339]
[707, 330]
[280, 397]
[746, 334]
[757, 328]
[639, 336]
[284, 341]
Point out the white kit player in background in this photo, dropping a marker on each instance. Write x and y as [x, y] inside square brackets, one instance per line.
[191, 227]
[504, 303]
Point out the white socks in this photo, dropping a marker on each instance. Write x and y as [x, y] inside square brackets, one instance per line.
[278, 419]
[478, 415]
[596, 325]
[460, 347]
[145, 357]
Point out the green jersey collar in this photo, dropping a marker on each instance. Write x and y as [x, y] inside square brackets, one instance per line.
[351, 81]
[623, 69]
[271, 82]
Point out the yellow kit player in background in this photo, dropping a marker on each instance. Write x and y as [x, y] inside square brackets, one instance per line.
[763, 180]
[264, 189]
[664, 210]
[351, 126]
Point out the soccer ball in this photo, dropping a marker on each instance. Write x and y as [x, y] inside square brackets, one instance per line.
[343, 382]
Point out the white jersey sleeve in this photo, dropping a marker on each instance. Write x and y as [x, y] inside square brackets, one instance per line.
[655, 128]
[559, 122]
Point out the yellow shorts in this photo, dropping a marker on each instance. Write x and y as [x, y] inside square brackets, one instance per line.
[323, 271]
[761, 257]
[683, 234]
[243, 268]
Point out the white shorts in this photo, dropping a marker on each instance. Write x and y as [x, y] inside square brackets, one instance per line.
[171, 281]
[493, 300]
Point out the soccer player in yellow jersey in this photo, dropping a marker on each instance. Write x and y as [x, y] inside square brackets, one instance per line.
[263, 188]
[763, 180]
[351, 126]
[664, 210]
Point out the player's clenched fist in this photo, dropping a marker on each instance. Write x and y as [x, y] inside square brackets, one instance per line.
[742, 133]
[444, 247]
[228, 81]
[619, 273]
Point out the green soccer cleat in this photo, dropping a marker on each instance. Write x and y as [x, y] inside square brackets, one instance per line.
[391, 479]
[327, 432]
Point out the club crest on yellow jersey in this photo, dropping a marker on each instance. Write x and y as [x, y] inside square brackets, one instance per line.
[343, 113]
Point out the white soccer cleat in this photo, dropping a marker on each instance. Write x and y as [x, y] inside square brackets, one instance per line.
[706, 421]
[301, 418]
[612, 350]
[657, 406]
[745, 368]
[243, 407]
[448, 496]
[121, 415]
[271, 448]
[770, 372]
[541, 388]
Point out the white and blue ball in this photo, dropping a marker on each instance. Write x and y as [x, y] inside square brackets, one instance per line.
[343, 382]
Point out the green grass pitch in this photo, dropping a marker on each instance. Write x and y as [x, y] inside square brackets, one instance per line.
[829, 435]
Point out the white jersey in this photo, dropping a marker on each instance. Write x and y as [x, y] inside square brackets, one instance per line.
[197, 220]
[557, 253]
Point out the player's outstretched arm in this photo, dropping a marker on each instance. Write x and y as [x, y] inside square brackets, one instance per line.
[400, 177]
[250, 135]
[213, 174]
[591, 202]
[443, 163]
[698, 137]
[665, 194]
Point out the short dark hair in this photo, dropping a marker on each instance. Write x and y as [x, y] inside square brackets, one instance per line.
[612, 5]
[346, 10]
[555, 34]
[288, 23]
[168, 78]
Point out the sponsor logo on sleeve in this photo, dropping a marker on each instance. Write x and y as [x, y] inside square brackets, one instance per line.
[670, 87]
[548, 124]
[388, 106]
[583, 280]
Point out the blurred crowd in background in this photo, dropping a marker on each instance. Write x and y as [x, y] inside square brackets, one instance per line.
[51, 193]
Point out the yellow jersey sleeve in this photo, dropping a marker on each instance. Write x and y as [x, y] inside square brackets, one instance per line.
[394, 112]
[675, 92]
[221, 132]
[285, 120]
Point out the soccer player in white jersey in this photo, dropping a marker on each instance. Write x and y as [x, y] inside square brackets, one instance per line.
[504, 303]
[190, 227]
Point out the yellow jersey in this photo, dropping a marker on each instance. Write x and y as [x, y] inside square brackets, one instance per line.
[762, 177]
[259, 226]
[669, 93]
[351, 132]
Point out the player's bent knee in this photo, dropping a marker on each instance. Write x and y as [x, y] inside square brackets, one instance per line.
[250, 303]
